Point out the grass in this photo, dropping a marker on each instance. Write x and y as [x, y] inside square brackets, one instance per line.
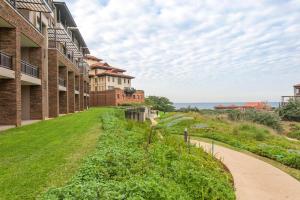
[291, 171]
[46, 154]
[258, 139]
[126, 166]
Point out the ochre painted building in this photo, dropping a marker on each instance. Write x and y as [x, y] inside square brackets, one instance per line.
[109, 86]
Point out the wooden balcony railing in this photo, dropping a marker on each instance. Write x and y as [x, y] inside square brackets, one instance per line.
[29, 69]
[5, 61]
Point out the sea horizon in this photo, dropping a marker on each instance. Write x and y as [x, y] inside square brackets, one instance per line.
[211, 105]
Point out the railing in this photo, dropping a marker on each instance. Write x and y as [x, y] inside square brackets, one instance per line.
[29, 69]
[5, 61]
[12, 2]
[62, 82]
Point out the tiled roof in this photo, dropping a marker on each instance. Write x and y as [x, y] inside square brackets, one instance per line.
[100, 65]
[112, 73]
[90, 57]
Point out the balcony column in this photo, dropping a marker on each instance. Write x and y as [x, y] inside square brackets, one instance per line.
[63, 95]
[37, 92]
[53, 74]
[71, 91]
[10, 89]
[77, 96]
[81, 93]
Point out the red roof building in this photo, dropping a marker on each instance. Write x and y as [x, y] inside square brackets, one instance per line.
[110, 83]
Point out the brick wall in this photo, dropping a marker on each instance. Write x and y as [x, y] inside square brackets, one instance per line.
[53, 83]
[64, 96]
[81, 93]
[115, 97]
[37, 93]
[71, 91]
[10, 90]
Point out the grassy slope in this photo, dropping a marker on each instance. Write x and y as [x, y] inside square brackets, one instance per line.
[124, 166]
[38, 156]
[256, 138]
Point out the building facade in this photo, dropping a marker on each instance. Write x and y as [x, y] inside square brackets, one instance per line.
[296, 96]
[109, 86]
[42, 73]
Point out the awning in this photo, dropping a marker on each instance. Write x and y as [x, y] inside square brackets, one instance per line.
[61, 35]
[33, 5]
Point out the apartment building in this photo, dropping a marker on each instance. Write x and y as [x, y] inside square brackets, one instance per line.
[109, 85]
[41, 62]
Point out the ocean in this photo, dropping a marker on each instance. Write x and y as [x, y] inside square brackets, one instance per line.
[212, 105]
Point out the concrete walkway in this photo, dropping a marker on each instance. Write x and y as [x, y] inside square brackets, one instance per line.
[253, 178]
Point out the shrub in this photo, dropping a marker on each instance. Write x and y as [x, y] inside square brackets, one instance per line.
[261, 117]
[291, 111]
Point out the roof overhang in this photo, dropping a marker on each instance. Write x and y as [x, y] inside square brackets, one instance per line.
[33, 5]
[61, 35]
[65, 14]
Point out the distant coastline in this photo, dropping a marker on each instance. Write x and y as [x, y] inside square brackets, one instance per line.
[212, 105]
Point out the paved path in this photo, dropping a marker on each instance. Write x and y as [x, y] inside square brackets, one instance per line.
[255, 179]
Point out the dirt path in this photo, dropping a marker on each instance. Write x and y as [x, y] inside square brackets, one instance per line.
[253, 178]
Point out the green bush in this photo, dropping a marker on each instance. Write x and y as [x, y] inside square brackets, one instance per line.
[261, 117]
[124, 166]
[291, 111]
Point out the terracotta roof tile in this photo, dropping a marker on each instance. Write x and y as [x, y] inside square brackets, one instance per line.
[90, 57]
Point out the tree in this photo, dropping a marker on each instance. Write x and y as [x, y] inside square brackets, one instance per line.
[290, 111]
[160, 103]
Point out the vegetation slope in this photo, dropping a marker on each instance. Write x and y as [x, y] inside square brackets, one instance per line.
[126, 166]
[252, 137]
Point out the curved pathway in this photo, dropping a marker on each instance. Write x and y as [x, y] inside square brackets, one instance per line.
[253, 178]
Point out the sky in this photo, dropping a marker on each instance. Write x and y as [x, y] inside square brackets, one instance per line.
[198, 50]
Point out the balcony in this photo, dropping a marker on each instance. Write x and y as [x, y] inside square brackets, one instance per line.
[38, 6]
[6, 69]
[29, 69]
[62, 85]
[45, 6]
[62, 82]
[5, 61]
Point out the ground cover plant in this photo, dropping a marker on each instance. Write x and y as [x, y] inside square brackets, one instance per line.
[126, 166]
[252, 137]
[46, 154]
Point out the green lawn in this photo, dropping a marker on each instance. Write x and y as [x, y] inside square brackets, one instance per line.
[46, 154]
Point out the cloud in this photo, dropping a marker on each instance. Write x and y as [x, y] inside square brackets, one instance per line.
[210, 50]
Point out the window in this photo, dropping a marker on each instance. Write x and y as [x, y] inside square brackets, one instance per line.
[133, 96]
[128, 81]
[110, 87]
[108, 79]
[119, 81]
[118, 95]
[124, 80]
[113, 79]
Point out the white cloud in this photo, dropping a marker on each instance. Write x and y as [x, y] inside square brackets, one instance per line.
[209, 50]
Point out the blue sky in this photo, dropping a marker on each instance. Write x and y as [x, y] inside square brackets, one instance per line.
[198, 50]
